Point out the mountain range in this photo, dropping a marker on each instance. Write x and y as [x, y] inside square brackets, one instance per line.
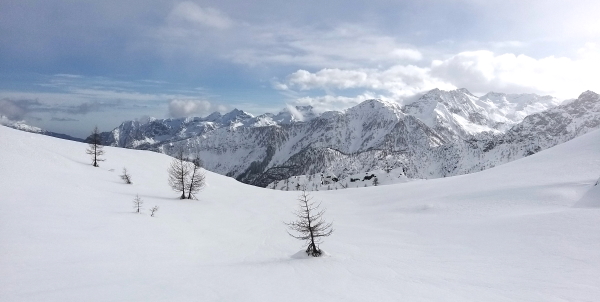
[443, 133]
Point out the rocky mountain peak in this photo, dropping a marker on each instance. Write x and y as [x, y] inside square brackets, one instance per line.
[378, 109]
[588, 94]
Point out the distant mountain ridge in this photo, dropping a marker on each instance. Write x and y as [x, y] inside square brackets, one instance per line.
[20, 125]
[443, 133]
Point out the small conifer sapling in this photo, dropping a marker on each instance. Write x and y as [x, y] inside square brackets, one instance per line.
[137, 204]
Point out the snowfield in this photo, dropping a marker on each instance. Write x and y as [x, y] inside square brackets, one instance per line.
[528, 230]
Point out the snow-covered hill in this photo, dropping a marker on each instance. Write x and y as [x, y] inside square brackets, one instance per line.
[511, 233]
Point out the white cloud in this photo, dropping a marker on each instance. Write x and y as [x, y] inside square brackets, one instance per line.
[185, 108]
[295, 113]
[405, 53]
[479, 71]
[189, 12]
[330, 78]
[397, 82]
[483, 71]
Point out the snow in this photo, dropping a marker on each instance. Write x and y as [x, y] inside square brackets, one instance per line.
[591, 199]
[510, 233]
[471, 128]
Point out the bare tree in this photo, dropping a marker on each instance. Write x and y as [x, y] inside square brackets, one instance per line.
[137, 204]
[95, 147]
[126, 177]
[179, 172]
[310, 224]
[152, 210]
[197, 178]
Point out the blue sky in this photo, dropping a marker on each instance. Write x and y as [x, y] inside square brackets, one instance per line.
[69, 65]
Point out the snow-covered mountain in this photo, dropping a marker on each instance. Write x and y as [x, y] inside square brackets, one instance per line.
[459, 114]
[442, 133]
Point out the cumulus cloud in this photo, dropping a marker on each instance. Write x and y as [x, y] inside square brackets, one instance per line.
[483, 71]
[184, 108]
[479, 71]
[397, 82]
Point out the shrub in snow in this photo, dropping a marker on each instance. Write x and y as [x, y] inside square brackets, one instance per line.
[152, 210]
[126, 177]
[137, 204]
[597, 182]
[95, 147]
[310, 225]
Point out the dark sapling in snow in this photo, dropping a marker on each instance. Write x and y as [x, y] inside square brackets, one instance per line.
[153, 210]
[126, 177]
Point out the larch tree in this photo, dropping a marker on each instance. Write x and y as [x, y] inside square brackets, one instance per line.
[95, 148]
[310, 225]
[197, 179]
[179, 172]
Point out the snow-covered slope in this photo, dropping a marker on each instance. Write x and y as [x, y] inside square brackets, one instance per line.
[511, 233]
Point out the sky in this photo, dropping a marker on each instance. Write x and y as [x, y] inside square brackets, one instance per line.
[67, 66]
